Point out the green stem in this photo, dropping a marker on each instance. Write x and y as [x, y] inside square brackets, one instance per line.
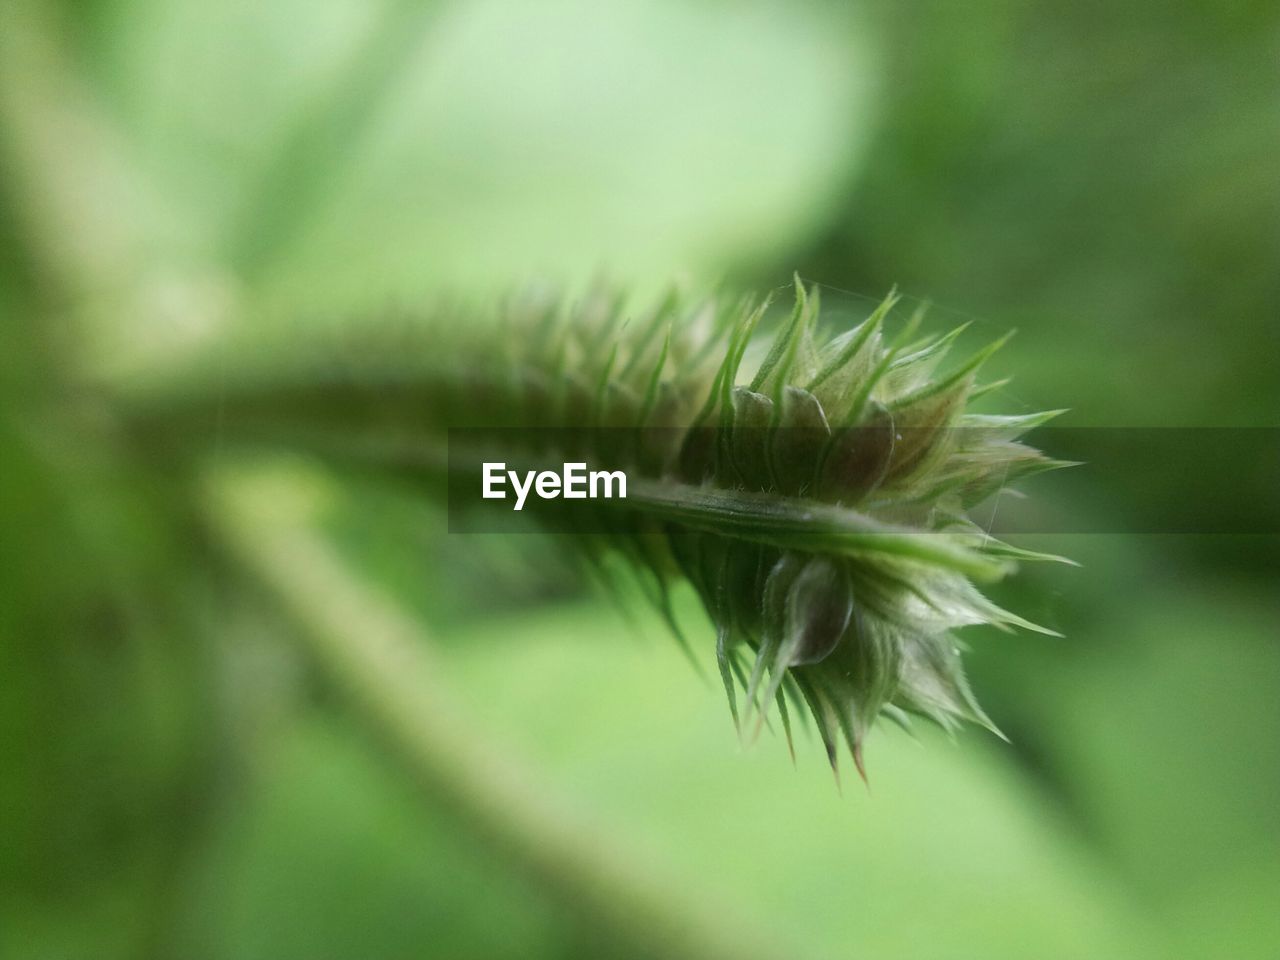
[77, 197]
[375, 656]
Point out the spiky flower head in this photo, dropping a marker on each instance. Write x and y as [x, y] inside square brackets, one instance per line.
[816, 499]
[814, 495]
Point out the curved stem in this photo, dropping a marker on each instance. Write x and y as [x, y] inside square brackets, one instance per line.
[374, 655]
[78, 198]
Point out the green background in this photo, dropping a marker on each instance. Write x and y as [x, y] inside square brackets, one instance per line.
[1104, 177]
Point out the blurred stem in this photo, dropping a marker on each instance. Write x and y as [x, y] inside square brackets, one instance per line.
[76, 196]
[376, 658]
[98, 233]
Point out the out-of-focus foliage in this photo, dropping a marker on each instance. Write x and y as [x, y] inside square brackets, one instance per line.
[341, 154]
[1100, 176]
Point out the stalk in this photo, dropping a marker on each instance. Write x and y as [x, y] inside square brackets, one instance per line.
[378, 660]
[824, 529]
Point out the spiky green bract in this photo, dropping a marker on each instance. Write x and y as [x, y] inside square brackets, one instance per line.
[814, 497]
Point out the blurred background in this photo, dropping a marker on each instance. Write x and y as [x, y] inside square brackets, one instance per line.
[174, 779]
